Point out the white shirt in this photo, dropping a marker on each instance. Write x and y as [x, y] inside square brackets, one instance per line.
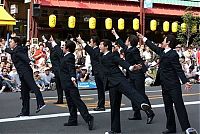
[167, 50]
[47, 78]
[106, 52]
[66, 53]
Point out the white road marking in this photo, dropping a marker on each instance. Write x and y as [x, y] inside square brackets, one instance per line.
[153, 91]
[87, 95]
[92, 112]
[83, 95]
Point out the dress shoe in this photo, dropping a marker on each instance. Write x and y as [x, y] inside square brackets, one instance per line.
[40, 107]
[99, 109]
[169, 131]
[111, 132]
[150, 117]
[149, 112]
[58, 102]
[91, 123]
[22, 115]
[71, 124]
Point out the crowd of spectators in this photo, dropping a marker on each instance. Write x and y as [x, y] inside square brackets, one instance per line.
[41, 64]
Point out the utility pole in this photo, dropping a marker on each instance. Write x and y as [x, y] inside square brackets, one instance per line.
[142, 19]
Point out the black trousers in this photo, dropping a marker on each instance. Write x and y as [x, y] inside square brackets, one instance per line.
[138, 83]
[28, 84]
[115, 101]
[74, 101]
[100, 91]
[171, 97]
[58, 86]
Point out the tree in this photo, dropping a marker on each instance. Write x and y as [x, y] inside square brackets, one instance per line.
[190, 35]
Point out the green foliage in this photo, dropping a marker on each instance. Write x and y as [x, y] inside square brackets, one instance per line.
[189, 36]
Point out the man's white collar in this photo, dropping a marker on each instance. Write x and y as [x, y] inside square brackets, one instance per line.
[66, 53]
[167, 50]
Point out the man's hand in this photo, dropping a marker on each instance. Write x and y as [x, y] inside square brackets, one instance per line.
[188, 86]
[140, 35]
[137, 67]
[44, 39]
[114, 32]
[79, 39]
[74, 81]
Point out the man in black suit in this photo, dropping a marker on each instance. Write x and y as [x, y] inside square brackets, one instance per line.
[94, 52]
[55, 61]
[68, 83]
[168, 76]
[116, 82]
[136, 77]
[21, 61]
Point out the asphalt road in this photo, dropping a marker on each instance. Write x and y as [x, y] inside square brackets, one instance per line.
[50, 120]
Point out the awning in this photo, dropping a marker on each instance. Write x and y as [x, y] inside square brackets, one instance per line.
[95, 5]
[6, 18]
[114, 6]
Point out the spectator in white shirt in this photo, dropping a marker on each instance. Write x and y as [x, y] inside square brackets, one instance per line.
[147, 54]
[47, 77]
[15, 76]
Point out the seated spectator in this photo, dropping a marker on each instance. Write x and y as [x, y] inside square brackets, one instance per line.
[15, 76]
[6, 81]
[47, 77]
[78, 71]
[9, 66]
[84, 76]
[38, 80]
[192, 74]
[40, 54]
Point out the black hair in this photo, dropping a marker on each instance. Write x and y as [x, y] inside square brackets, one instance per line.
[107, 43]
[95, 39]
[183, 57]
[70, 45]
[133, 40]
[47, 36]
[172, 39]
[4, 69]
[16, 40]
[69, 36]
[41, 44]
[58, 42]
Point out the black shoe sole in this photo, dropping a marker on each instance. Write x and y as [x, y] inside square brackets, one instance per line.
[91, 126]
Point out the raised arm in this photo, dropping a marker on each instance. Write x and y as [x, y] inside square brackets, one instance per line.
[150, 44]
[119, 40]
[87, 48]
[8, 50]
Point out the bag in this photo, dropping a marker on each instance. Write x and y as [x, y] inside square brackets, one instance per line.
[81, 61]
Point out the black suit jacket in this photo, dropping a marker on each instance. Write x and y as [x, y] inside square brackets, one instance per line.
[67, 70]
[55, 56]
[132, 56]
[110, 68]
[20, 59]
[170, 70]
